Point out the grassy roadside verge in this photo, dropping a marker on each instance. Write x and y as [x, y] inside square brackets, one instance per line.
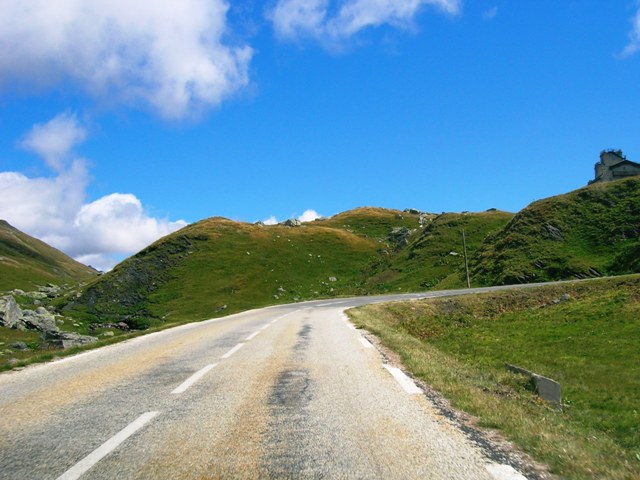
[584, 335]
[34, 356]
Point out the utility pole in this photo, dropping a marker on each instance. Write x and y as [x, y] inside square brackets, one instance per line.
[466, 263]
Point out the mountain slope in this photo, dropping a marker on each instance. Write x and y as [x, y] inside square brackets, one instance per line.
[220, 265]
[434, 256]
[26, 262]
[589, 232]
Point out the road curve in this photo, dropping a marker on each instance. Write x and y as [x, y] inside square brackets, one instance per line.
[292, 391]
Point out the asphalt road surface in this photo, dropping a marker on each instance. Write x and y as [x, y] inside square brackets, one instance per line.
[291, 391]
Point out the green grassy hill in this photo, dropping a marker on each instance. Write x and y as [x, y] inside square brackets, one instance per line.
[26, 262]
[434, 257]
[218, 265]
[589, 232]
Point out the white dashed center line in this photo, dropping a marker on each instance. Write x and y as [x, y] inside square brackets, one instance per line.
[107, 447]
[252, 336]
[233, 350]
[193, 378]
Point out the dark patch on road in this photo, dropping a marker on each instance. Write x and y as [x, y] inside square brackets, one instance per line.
[291, 430]
[288, 437]
[304, 338]
[291, 391]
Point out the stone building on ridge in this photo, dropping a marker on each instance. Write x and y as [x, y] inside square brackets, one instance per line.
[613, 165]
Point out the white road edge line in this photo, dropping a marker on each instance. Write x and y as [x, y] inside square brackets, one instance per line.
[504, 472]
[347, 321]
[252, 336]
[233, 350]
[107, 447]
[193, 379]
[405, 382]
[366, 343]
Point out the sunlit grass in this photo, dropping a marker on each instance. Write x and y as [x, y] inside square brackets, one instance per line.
[589, 343]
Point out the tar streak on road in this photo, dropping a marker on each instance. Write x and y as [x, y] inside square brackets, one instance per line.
[289, 421]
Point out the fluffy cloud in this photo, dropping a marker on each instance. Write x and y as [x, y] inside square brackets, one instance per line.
[309, 216]
[55, 209]
[331, 24]
[172, 56]
[634, 37]
[54, 140]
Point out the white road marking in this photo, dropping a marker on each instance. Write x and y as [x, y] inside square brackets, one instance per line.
[233, 350]
[347, 321]
[405, 382]
[252, 336]
[193, 379]
[107, 447]
[275, 320]
[504, 472]
[365, 342]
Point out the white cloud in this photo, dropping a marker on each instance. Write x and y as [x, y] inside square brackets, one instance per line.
[54, 140]
[490, 14]
[55, 209]
[309, 216]
[173, 56]
[634, 37]
[331, 23]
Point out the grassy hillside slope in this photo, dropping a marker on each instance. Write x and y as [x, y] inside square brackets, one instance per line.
[434, 256]
[590, 232]
[218, 265]
[26, 262]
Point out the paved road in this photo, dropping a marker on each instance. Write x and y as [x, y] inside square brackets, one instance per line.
[283, 392]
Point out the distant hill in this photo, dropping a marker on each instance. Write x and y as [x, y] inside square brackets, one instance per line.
[589, 232]
[26, 262]
[219, 266]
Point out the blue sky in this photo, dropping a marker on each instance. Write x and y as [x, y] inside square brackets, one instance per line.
[119, 125]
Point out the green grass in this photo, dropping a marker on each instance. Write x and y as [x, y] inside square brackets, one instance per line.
[26, 262]
[588, 343]
[218, 266]
[434, 258]
[590, 232]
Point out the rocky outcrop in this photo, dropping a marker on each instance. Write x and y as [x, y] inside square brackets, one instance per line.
[400, 236]
[10, 313]
[40, 320]
[292, 222]
[68, 339]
